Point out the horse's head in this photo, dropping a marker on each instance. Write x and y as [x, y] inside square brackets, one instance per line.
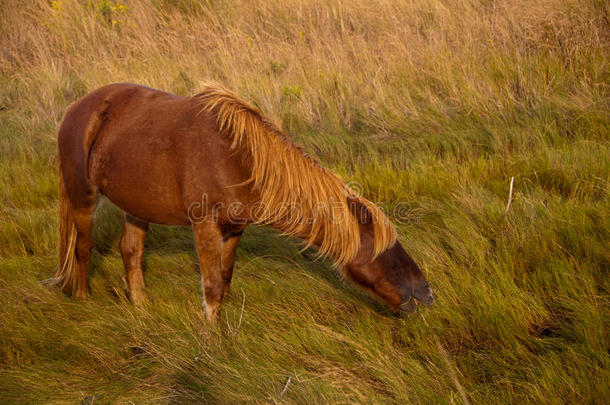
[392, 275]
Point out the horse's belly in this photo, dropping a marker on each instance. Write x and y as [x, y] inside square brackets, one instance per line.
[152, 209]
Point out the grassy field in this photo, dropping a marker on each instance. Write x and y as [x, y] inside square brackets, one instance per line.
[429, 106]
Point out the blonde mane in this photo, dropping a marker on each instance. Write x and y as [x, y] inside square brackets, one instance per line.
[298, 196]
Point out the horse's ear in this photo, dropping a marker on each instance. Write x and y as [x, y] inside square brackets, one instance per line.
[359, 211]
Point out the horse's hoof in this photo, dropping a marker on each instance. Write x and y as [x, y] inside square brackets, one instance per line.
[136, 298]
[81, 295]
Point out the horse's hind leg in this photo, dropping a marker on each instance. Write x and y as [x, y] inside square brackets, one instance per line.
[132, 250]
[83, 222]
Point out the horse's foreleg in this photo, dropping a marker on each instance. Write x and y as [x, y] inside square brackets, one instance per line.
[208, 239]
[132, 250]
[229, 246]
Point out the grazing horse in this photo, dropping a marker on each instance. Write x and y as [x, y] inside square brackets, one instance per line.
[214, 162]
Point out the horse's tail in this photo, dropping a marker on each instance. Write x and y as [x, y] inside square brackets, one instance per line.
[66, 276]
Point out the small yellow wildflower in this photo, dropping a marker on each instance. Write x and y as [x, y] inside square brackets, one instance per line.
[56, 5]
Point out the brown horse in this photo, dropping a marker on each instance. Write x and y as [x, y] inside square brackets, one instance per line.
[214, 162]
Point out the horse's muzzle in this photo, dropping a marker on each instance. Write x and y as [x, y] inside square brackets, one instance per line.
[422, 293]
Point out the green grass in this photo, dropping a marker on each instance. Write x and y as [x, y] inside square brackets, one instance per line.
[428, 107]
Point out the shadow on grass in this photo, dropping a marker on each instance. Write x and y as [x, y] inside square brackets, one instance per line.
[259, 241]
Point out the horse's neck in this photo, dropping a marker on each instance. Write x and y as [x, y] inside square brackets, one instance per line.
[367, 240]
